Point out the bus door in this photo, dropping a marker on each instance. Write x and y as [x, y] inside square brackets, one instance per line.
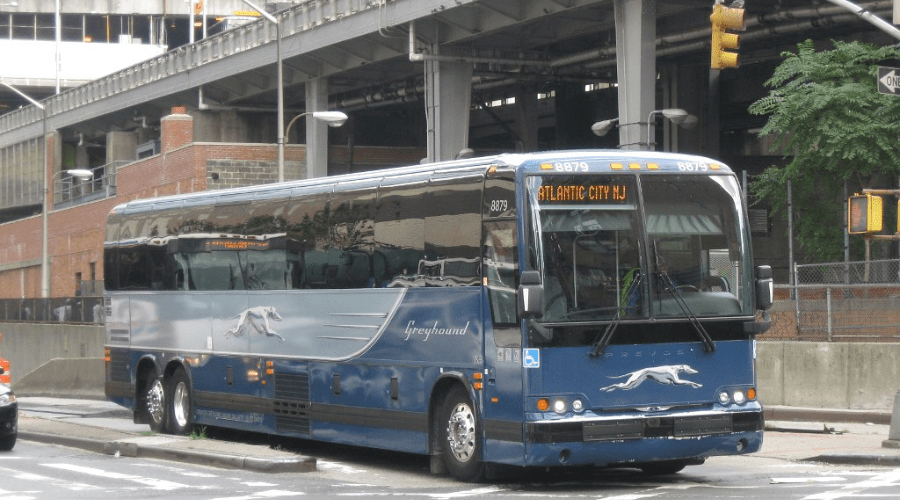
[503, 401]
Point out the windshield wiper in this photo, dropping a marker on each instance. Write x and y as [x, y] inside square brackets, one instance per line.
[603, 340]
[708, 344]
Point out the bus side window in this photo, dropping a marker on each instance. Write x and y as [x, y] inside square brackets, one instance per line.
[501, 270]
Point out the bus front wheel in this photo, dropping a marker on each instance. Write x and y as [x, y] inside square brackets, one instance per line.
[180, 403]
[461, 437]
[156, 403]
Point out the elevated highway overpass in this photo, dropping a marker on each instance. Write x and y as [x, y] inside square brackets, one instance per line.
[437, 61]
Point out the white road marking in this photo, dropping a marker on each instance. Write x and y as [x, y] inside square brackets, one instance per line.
[856, 490]
[158, 484]
[264, 494]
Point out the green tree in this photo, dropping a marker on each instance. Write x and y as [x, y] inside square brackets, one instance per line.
[824, 109]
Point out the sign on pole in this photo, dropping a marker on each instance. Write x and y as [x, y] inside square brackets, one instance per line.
[888, 80]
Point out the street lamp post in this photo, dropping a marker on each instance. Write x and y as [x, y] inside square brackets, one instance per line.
[332, 118]
[45, 252]
[272, 19]
[675, 115]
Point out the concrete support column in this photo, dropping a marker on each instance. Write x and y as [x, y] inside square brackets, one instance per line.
[448, 95]
[527, 120]
[636, 66]
[121, 146]
[316, 130]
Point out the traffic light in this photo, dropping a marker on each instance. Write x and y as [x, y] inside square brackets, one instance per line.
[865, 214]
[725, 18]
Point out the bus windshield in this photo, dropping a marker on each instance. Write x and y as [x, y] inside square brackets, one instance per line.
[626, 247]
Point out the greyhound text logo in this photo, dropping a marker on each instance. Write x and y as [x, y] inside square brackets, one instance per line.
[427, 331]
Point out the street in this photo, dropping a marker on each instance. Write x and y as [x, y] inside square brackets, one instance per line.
[35, 470]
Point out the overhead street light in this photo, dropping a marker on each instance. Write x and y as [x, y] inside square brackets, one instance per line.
[45, 247]
[677, 116]
[674, 115]
[272, 19]
[332, 118]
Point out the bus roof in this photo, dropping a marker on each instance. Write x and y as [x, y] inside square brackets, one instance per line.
[595, 160]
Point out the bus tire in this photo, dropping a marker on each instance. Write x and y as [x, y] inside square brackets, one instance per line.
[460, 433]
[179, 408]
[8, 442]
[155, 395]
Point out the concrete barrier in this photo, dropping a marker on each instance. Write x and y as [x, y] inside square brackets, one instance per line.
[79, 378]
[859, 376]
[893, 440]
[29, 346]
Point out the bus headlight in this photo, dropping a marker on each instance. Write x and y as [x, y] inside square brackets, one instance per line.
[736, 396]
[560, 406]
[724, 397]
[577, 406]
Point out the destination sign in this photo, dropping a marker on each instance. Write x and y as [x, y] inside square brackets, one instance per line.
[583, 193]
[220, 244]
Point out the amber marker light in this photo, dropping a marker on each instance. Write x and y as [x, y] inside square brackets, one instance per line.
[751, 394]
[543, 404]
[106, 355]
[270, 368]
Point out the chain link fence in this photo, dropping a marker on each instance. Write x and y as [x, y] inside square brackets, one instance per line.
[839, 302]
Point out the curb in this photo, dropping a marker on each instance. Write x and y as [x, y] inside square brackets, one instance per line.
[128, 449]
[851, 459]
[794, 414]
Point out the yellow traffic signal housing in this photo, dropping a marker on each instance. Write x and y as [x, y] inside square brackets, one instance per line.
[865, 214]
[725, 18]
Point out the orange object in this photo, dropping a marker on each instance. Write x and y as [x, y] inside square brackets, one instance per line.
[5, 365]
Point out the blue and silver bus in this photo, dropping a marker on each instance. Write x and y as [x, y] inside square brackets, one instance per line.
[548, 309]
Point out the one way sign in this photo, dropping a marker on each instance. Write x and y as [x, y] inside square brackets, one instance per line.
[888, 80]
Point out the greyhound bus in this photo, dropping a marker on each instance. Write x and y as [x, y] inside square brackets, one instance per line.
[549, 309]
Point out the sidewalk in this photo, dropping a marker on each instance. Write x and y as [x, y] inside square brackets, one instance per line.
[796, 434]
[104, 427]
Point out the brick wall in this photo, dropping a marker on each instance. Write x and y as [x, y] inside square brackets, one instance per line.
[77, 233]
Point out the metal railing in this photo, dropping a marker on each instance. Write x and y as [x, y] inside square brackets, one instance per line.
[842, 301]
[55, 310]
[306, 15]
[68, 190]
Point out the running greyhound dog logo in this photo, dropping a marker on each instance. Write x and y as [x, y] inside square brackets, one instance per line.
[665, 375]
[257, 317]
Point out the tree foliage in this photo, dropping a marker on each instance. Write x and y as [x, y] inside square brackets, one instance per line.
[824, 109]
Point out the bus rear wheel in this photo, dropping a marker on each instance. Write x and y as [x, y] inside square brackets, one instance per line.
[180, 403]
[461, 437]
[156, 403]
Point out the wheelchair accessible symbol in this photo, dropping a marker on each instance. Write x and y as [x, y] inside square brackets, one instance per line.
[531, 358]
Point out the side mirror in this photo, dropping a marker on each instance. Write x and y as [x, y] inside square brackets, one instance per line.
[765, 288]
[530, 295]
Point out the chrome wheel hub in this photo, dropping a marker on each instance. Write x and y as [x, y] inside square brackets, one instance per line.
[461, 432]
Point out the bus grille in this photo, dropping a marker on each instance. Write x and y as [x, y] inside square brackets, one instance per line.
[291, 405]
[118, 366]
[642, 428]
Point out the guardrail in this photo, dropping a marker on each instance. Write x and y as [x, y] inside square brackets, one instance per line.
[304, 16]
[69, 191]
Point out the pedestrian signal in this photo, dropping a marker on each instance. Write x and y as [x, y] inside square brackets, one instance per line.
[864, 214]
